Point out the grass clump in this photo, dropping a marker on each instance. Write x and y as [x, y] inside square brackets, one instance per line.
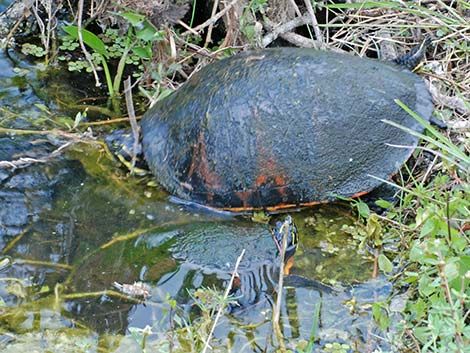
[436, 317]
[432, 226]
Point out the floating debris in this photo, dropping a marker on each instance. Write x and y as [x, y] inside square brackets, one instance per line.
[138, 289]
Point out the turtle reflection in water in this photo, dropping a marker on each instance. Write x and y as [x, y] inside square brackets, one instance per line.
[213, 248]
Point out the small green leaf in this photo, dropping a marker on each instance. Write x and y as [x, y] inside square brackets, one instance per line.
[451, 271]
[384, 204]
[149, 33]
[428, 226]
[363, 209]
[43, 108]
[143, 52]
[78, 118]
[44, 289]
[4, 263]
[89, 39]
[466, 332]
[134, 18]
[419, 308]
[458, 243]
[426, 286]
[379, 311]
[422, 334]
[416, 252]
[374, 230]
[385, 264]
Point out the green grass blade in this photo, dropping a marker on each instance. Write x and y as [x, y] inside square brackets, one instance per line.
[439, 140]
[408, 191]
[315, 325]
[365, 5]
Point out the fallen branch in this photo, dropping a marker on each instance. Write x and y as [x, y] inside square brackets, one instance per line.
[284, 28]
[22, 162]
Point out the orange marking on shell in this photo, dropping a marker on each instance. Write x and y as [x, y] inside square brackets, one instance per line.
[273, 209]
[200, 165]
[359, 194]
[268, 167]
[261, 180]
[281, 207]
[279, 180]
[243, 196]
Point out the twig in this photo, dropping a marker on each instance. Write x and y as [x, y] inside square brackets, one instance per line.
[211, 20]
[110, 121]
[413, 338]
[12, 31]
[82, 137]
[277, 307]
[284, 28]
[189, 29]
[20, 162]
[298, 40]
[128, 236]
[375, 265]
[27, 132]
[89, 108]
[316, 29]
[42, 263]
[27, 161]
[296, 8]
[211, 25]
[110, 293]
[133, 121]
[82, 45]
[17, 238]
[221, 306]
[48, 26]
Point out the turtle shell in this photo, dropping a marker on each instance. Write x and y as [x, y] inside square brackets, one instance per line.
[283, 127]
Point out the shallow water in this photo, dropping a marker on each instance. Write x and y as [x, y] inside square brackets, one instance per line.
[57, 221]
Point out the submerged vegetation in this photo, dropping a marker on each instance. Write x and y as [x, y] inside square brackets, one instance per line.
[420, 244]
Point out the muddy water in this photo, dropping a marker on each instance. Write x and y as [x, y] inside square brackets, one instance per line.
[74, 225]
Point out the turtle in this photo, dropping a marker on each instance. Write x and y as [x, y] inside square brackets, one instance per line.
[282, 128]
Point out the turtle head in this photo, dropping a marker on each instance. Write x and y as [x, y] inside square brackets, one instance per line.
[412, 58]
[287, 229]
[120, 144]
